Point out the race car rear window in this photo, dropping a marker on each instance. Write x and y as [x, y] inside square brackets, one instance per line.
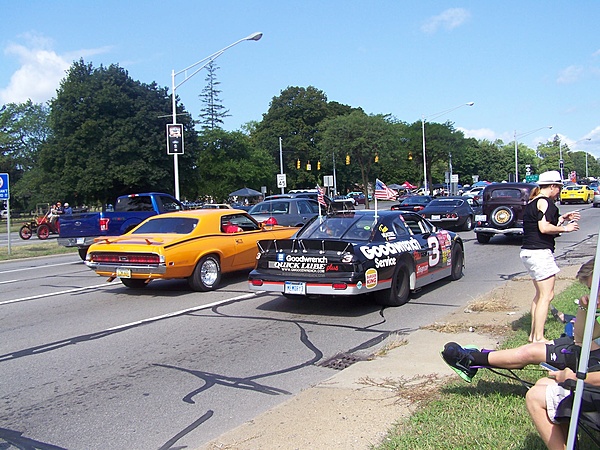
[168, 225]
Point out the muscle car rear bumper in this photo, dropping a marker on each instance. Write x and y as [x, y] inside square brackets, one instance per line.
[135, 269]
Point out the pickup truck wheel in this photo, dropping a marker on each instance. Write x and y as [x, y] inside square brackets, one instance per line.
[207, 274]
[458, 260]
[134, 283]
[82, 252]
[25, 232]
[43, 232]
[398, 294]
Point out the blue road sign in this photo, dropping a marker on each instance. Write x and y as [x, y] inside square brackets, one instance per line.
[4, 193]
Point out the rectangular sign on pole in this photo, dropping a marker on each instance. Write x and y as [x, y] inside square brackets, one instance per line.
[174, 139]
[4, 191]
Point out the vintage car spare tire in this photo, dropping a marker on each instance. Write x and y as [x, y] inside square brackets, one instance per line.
[502, 217]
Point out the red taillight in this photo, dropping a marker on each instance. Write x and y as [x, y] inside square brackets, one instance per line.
[104, 223]
[270, 221]
[256, 282]
[339, 286]
[125, 259]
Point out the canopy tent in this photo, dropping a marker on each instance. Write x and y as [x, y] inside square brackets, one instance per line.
[245, 192]
[395, 186]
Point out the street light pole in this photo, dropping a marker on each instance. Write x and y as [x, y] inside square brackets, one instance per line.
[206, 61]
[433, 116]
[517, 148]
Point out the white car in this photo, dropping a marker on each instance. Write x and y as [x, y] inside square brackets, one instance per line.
[596, 197]
[3, 214]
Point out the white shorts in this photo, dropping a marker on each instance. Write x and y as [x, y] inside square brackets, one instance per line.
[539, 263]
[554, 395]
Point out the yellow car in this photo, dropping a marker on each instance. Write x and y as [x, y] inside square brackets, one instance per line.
[576, 193]
[198, 245]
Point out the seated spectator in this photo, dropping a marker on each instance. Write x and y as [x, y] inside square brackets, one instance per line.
[560, 353]
[68, 209]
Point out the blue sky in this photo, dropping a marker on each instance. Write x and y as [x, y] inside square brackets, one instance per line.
[525, 64]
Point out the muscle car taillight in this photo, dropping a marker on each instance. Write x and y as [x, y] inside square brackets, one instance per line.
[270, 221]
[104, 223]
[119, 258]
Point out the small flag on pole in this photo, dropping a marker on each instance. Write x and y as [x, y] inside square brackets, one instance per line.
[321, 196]
[382, 192]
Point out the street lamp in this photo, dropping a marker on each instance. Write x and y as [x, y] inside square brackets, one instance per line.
[206, 61]
[517, 148]
[433, 116]
[586, 155]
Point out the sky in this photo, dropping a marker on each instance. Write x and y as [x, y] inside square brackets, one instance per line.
[526, 64]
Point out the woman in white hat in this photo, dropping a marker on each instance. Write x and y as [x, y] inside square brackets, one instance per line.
[542, 222]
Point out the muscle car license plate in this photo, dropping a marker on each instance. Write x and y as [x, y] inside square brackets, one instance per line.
[123, 273]
[294, 287]
[435, 217]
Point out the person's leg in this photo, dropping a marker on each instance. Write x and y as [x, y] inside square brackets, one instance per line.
[551, 433]
[519, 357]
[539, 308]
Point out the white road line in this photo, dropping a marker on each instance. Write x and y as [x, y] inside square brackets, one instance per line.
[8, 281]
[40, 267]
[52, 294]
[183, 311]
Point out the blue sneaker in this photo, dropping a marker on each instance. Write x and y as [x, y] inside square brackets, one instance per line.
[459, 359]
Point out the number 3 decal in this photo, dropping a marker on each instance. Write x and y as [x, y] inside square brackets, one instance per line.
[434, 246]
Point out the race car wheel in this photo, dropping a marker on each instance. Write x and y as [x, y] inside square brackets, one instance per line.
[502, 216]
[25, 232]
[458, 260]
[82, 252]
[483, 238]
[398, 294]
[207, 274]
[134, 283]
[43, 232]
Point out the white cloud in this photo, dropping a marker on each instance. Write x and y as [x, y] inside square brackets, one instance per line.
[40, 72]
[481, 133]
[570, 75]
[448, 20]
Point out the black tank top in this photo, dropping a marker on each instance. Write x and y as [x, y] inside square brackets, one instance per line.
[533, 238]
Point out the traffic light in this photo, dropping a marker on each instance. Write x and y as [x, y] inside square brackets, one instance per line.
[318, 165]
[347, 160]
[298, 164]
[410, 156]
[376, 157]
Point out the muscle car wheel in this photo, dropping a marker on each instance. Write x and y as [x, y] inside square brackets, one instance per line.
[398, 294]
[207, 274]
[458, 259]
[134, 283]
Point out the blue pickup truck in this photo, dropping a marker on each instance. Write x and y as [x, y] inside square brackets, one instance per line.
[80, 230]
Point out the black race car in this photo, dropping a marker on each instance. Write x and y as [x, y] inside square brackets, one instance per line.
[386, 253]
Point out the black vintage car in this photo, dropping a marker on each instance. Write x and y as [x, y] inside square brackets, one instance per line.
[383, 253]
[502, 210]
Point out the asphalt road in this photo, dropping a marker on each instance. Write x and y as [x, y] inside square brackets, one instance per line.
[87, 364]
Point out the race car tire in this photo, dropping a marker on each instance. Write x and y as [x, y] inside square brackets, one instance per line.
[207, 274]
[483, 238]
[25, 232]
[82, 252]
[134, 283]
[43, 232]
[398, 294]
[458, 260]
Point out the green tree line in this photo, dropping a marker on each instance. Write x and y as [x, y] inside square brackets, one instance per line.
[103, 135]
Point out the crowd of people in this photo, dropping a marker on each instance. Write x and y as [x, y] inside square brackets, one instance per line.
[58, 209]
[549, 401]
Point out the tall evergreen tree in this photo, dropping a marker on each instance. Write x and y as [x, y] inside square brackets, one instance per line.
[213, 113]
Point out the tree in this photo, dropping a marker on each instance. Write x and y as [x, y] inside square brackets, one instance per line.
[213, 113]
[109, 138]
[229, 161]
[362, 139]
[297, 116]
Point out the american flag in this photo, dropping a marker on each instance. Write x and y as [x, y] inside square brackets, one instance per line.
[321, 195]
[382, 192]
